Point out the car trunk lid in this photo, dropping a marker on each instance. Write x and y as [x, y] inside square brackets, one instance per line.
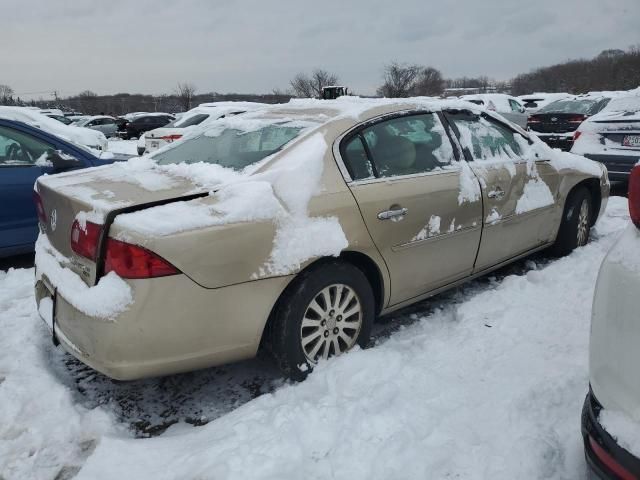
[96, 195]
[555, 122]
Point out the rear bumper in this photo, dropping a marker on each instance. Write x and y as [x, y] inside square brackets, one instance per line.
[618, 166]
[563, 142]
[173, 325]
[603, 455]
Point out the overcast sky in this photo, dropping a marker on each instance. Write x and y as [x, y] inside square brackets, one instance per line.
[148, 46]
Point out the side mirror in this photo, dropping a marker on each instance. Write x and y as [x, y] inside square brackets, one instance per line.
[62, 161]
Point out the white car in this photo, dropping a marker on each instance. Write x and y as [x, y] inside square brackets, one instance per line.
[203, 113]
[509, 107]
[611, 412]
[535, 101]
[612, 136]
[82, 136]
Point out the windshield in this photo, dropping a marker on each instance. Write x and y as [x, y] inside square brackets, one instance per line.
[188, 121]
[230, 148]
[571, 106]
[624, 104]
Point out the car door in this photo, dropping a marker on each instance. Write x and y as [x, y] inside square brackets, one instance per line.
[406, 178]
[109, 127]
[22, 160]
[519, 191]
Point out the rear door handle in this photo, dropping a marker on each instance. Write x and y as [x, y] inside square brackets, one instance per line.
[395, 214]
[497, 192]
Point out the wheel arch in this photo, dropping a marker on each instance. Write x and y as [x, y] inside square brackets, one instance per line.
[593, 187]
[358, 259]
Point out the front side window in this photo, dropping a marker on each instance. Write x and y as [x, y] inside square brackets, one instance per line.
[399, 146]
[18, 148]
[485, 138]
[230, 148]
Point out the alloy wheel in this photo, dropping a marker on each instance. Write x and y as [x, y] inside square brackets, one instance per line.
[331, 322]
[583, 223]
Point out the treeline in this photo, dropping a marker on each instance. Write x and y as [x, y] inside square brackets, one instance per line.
[121, 103]
[611, 70]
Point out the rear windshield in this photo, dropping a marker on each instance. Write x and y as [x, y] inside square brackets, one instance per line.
[230, 148]
[189, 121]
[572, 106]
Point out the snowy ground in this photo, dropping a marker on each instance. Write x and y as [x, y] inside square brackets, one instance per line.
[486, 381]
[117, 145]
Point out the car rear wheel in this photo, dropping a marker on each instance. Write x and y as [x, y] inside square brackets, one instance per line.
[576, 223]
[326, 312]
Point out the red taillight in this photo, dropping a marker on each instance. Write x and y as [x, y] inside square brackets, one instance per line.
[533, 119]
[577, 119]
[610, 462]
[42, 216]
[576, 135]
[634, 195]
[133, 261]
[171, 138]
[84, 241]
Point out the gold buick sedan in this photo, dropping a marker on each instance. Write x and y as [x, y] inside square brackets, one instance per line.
[292, 227]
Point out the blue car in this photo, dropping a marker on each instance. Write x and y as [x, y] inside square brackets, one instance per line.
[27, 152]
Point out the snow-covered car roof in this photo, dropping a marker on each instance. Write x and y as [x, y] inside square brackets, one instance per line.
[79, 135]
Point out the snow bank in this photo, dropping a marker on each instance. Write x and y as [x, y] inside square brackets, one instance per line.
[44, 432]
[110, 297]
[455, 395]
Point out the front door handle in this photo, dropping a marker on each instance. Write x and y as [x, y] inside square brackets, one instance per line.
[394, 214]
[497, 193]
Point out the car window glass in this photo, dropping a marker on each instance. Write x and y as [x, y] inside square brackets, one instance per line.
[408, 145]
[486, 139]
[230, 148]
[515, 106]
[18, 148]
[356, 159]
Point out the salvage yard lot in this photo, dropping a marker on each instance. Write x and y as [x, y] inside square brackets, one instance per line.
[486, 381]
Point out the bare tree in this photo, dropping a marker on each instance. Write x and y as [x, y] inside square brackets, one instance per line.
[185, 93]
[429, 82]
[88, 101]
[307, 86]
[399, 80]
[6, 94]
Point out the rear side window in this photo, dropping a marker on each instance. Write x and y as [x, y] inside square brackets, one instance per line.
[485, 138]
[399, 146]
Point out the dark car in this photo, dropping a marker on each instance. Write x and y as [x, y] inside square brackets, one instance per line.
[612, 137]
[143, 123]
[27, 152]
[556, 123]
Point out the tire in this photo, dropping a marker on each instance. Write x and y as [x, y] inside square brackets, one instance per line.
[324, 325]
[576, 223]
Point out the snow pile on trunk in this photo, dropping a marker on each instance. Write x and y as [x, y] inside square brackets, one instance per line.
[110, 297]
[249, 201]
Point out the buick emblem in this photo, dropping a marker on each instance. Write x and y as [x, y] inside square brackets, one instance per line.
[54, 219]
[554, 119]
